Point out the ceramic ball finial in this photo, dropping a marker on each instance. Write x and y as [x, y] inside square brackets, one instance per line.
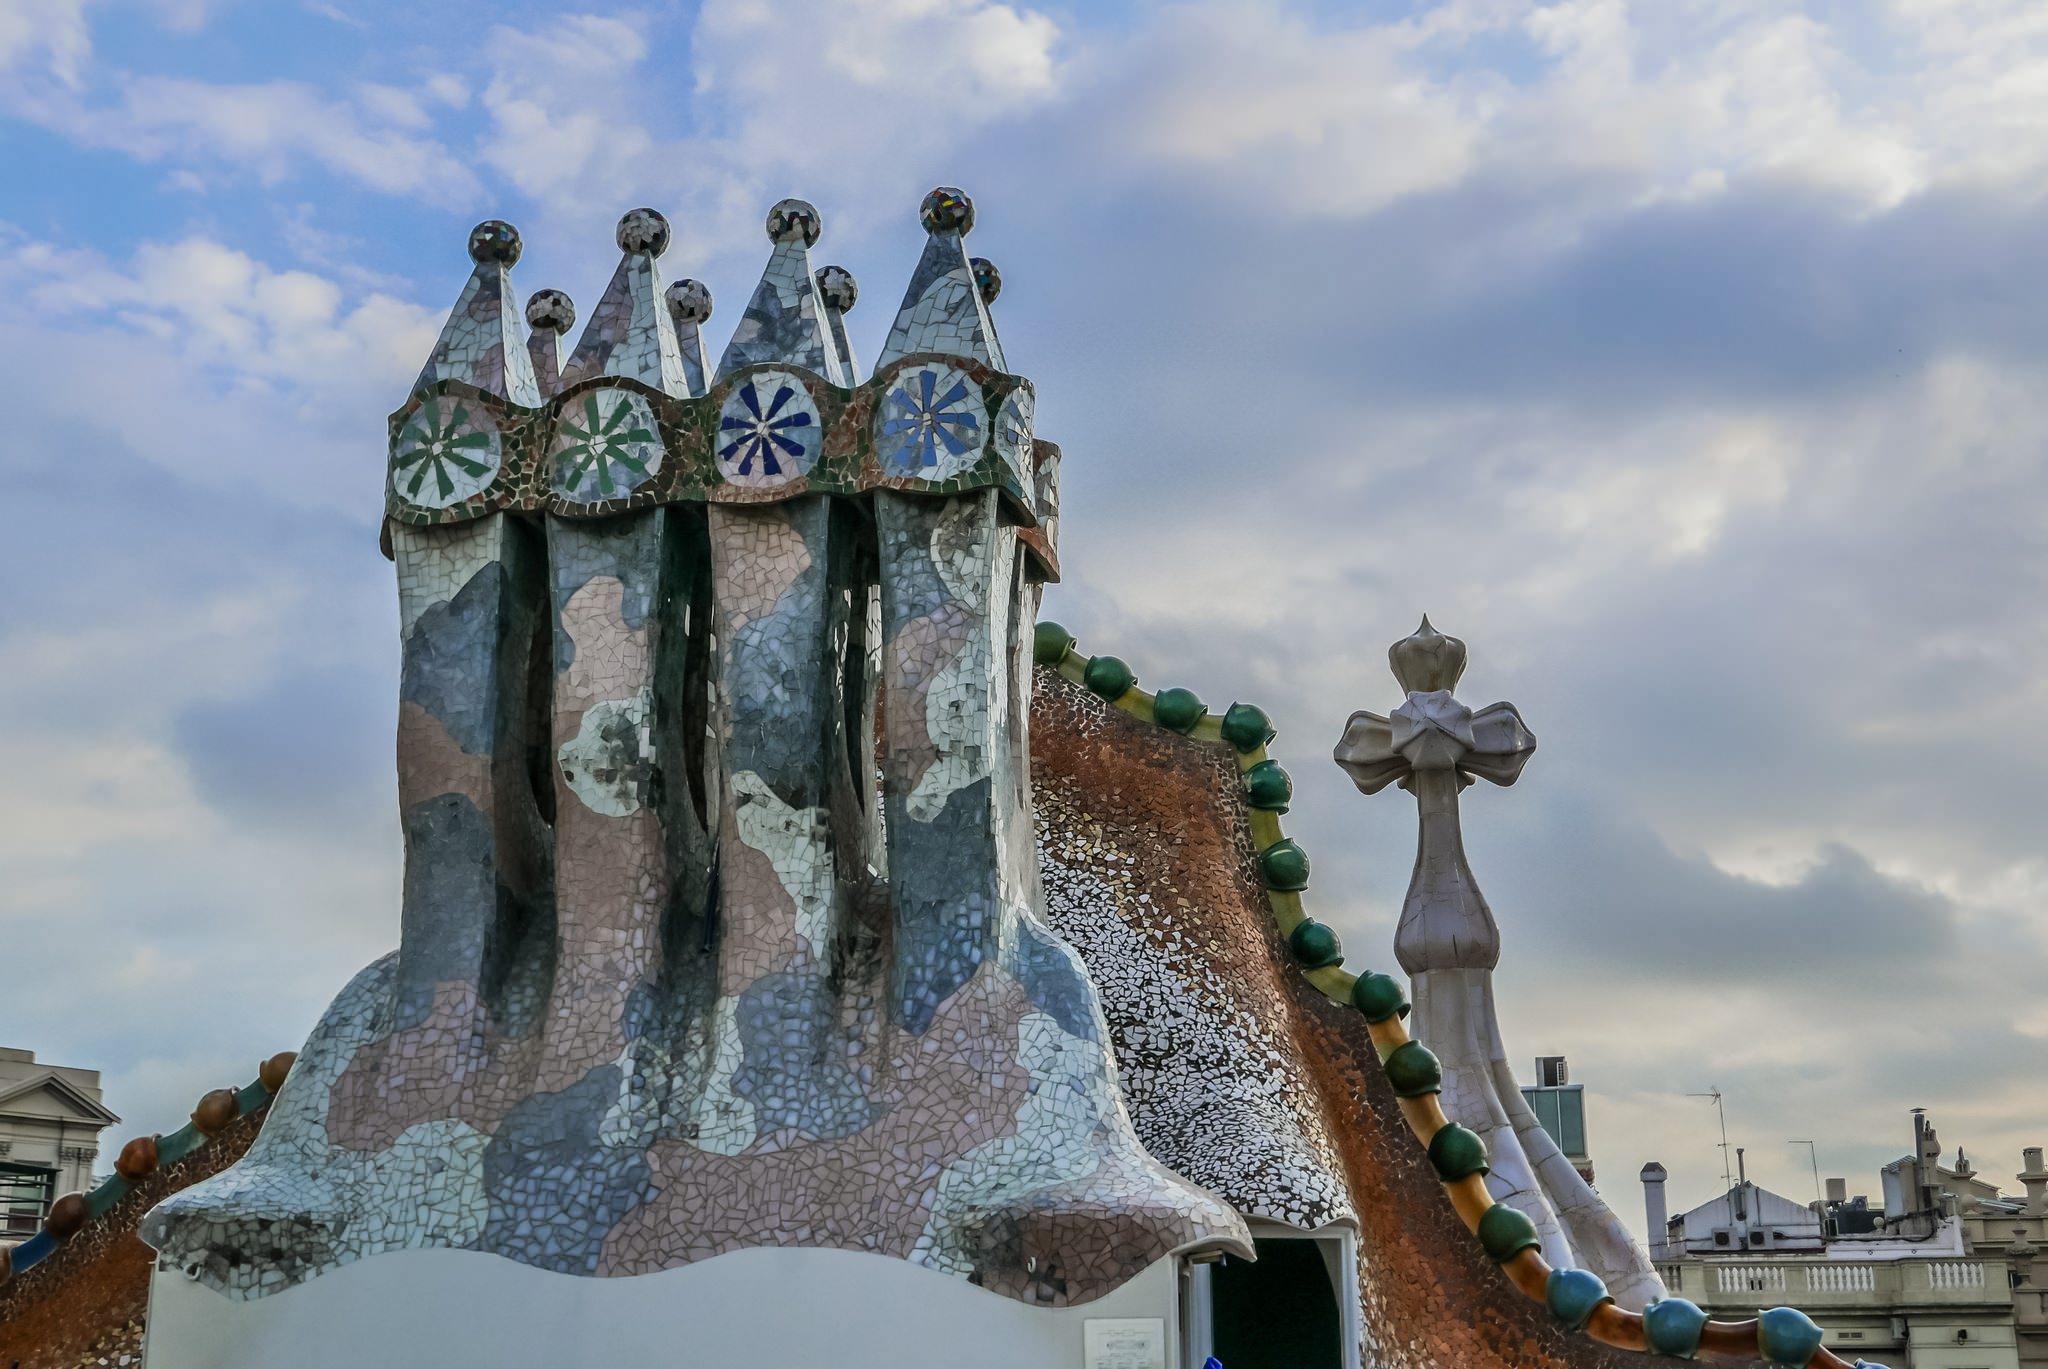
[791, 220]
[550, 311]
[643, 230]
[947, 210]
[494, 240]
[689, 300]
[987, 280]
[837, 288]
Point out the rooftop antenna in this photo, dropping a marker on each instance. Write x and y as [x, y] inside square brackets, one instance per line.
[1727, 1175]
[1819, 1202]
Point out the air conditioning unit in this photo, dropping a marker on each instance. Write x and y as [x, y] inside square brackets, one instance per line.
[1551, 1072]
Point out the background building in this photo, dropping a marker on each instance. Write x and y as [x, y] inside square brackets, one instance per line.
[50, 1122]
[1560, 1105]
[1941, 1275]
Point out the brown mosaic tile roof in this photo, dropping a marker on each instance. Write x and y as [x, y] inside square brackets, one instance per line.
[1168, 809]
[86, 1304]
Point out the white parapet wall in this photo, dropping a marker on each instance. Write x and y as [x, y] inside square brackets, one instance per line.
[749, 1309]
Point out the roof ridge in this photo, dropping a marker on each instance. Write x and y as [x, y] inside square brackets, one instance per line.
[141, 1157]
[1575, 1297]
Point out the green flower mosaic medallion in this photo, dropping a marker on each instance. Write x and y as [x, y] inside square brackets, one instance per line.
[605, 447]
[446, 452]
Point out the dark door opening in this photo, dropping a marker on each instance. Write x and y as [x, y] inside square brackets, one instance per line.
[1278, 1313]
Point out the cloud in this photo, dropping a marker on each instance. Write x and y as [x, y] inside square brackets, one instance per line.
[562, 106]
[208, 604]
[276, 130]
[1255, 100]
[193, 330]
[52, 33]
[574, 108]
[379, 135]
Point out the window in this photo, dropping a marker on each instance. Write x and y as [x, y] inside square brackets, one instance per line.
[26, 1192]
[1295, 1307]
[1561, 1112]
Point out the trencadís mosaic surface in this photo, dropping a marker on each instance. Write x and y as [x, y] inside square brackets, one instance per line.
[678, 972]
[629, 421]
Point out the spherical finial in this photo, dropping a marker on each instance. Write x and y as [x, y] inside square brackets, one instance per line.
[1427, 660]
[836, 287]
[137, 1159]
[550, 311]
[791, 220]
[947, 210]
[494, 240]
[689, 300]
[643, 230]
[215, 1111]
[67, 1215]
[987, 279]
[272, 1072]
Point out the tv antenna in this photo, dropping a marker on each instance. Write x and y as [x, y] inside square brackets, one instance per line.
[1727, 1175]
[1814, 1160]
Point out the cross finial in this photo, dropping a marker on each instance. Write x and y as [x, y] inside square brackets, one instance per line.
[1433, 745]
[1447, 941]
[1432, 730]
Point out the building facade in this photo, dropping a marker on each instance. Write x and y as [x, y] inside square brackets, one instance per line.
[1560, 1106]
[50, 1122]
[1941, 1276]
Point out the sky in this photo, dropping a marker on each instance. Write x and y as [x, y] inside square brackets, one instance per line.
[1685, 357]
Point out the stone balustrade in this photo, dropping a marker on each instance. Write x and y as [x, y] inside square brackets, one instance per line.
[1818, 1284]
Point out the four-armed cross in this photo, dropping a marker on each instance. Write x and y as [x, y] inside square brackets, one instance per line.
[1433, 746]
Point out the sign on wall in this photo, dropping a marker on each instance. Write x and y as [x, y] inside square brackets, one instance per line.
[1124, 1343]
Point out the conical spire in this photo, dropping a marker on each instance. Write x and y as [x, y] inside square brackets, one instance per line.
[785, 320]
[689, 308]
[838, 292]
[943, 310]
[629, 333]
[482, 342]
[549, 315]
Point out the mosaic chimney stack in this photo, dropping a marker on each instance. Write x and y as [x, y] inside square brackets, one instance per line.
[1448, 942]
[676, 975]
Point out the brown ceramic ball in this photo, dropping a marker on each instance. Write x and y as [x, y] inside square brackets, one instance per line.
[275, 1069]
[136, 1159]
[215, 1111]
[67, 1215]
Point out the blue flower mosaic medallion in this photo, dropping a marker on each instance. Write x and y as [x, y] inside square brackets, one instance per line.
[1013, 434]
[606, 446]
[446, 452]
[932, 424]
[768, 431]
